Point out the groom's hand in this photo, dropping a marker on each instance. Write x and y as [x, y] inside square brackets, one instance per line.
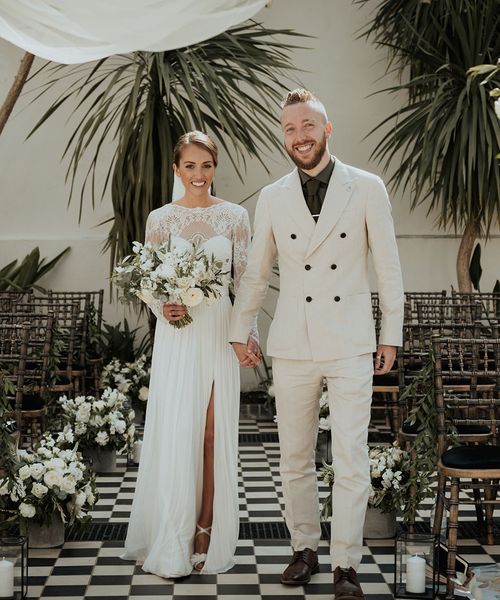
[386, 355]
[248, 354]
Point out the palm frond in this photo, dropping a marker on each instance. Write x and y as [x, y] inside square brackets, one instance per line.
[140, 104]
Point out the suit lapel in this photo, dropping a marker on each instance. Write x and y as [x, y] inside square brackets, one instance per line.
[296, 205]
[336, 199]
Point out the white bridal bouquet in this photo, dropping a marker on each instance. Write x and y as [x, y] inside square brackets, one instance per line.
[101, 423]
[171, 274]
[49, 479]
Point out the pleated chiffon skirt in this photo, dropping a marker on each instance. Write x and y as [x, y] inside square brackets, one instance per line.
[167, 501]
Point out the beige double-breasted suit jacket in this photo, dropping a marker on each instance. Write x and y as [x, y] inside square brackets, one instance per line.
[324, 306]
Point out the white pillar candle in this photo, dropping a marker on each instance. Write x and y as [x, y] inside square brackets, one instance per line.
[136, 456]
[415, 575]
[6, 579]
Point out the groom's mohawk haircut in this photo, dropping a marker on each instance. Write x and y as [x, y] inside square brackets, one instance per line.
[299, 96]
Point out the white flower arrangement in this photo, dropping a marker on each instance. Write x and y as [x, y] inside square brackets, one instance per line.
[389, 475]
[50, 478]
[131, 379]
[101, 423]
[171, 274]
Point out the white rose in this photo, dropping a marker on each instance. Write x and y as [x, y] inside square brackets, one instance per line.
[324, 424]
[165, 271]
[120, 426]
[68, 485]
[102, 438]
[52, 479]
[144, 393]
[91, 498]
[39, 490]
[192, 297]
[27, 510]
[37, 470]
[497, 107]
[25, 472]
[123, 387]
[99, 405]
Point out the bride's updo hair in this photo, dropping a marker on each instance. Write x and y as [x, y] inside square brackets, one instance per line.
[197, 138]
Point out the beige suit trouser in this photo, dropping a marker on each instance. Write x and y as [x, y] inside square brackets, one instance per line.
[298, 388]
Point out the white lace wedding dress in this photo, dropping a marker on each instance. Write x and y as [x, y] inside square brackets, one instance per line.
[186, 362]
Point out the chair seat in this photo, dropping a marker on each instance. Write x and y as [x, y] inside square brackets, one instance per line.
[472, 457]
[414, 428]
[389, 379]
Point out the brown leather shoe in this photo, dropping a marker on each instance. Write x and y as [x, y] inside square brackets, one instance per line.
[346, 585]
[304, 563]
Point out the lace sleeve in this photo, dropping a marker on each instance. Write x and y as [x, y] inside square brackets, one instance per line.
[241, 245]
[154, 237]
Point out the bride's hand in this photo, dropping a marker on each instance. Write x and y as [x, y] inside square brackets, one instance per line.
[174, 312]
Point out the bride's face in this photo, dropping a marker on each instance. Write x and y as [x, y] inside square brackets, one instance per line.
[196, 169]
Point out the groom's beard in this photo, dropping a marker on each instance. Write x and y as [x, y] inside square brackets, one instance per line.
[312, 162]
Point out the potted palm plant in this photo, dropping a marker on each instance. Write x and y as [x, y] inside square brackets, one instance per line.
[141, 103]
[444, 138]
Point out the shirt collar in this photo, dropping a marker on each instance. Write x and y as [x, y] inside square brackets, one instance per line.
[323, 176]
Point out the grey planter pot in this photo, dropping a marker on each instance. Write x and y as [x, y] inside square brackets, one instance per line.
[45, 536]
[140, 414]
[324, 448]
[103, 461]
[379, 525]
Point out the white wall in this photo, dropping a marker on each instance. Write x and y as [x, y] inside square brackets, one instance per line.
[341, 69]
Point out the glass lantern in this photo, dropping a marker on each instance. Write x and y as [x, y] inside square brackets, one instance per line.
[13, 568]
[416, 569]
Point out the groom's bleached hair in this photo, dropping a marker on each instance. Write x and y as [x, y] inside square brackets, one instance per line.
[299, 96]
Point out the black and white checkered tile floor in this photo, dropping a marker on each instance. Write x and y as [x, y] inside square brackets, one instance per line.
[93, 569]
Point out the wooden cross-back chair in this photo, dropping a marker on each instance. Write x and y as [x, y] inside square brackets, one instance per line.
[414, 357]
[91, 313]
[25, 350]
[66, 376]
[473, 465]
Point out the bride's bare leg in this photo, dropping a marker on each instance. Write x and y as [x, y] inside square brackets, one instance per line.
[202, 541]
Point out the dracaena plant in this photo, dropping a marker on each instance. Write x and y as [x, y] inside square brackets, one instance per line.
[141, 103]
[444, 138]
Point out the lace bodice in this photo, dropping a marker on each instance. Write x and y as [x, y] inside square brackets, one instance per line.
[203, 226]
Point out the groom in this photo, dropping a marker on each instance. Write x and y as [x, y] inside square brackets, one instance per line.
[320, 221]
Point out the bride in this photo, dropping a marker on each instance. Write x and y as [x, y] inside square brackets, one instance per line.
[185, 509]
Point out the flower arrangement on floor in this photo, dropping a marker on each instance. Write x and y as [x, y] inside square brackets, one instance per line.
[390, 479]
[103, 423]
[49, 479]
[129, 378]
[324, 412]
[168, 273]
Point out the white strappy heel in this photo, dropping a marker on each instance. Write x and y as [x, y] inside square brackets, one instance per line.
[198, 558]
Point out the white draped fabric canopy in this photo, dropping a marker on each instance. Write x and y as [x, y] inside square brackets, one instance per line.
[76, 31]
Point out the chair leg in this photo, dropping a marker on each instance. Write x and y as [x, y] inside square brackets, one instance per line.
[479, 507]
[413, 492]
[488, 508]
[452, 537]
[438, 514]
[395, 412]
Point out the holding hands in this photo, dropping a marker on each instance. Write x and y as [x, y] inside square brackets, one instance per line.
[248, 354]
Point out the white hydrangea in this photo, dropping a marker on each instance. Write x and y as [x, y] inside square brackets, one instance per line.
[102, 438]
[28, 511]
